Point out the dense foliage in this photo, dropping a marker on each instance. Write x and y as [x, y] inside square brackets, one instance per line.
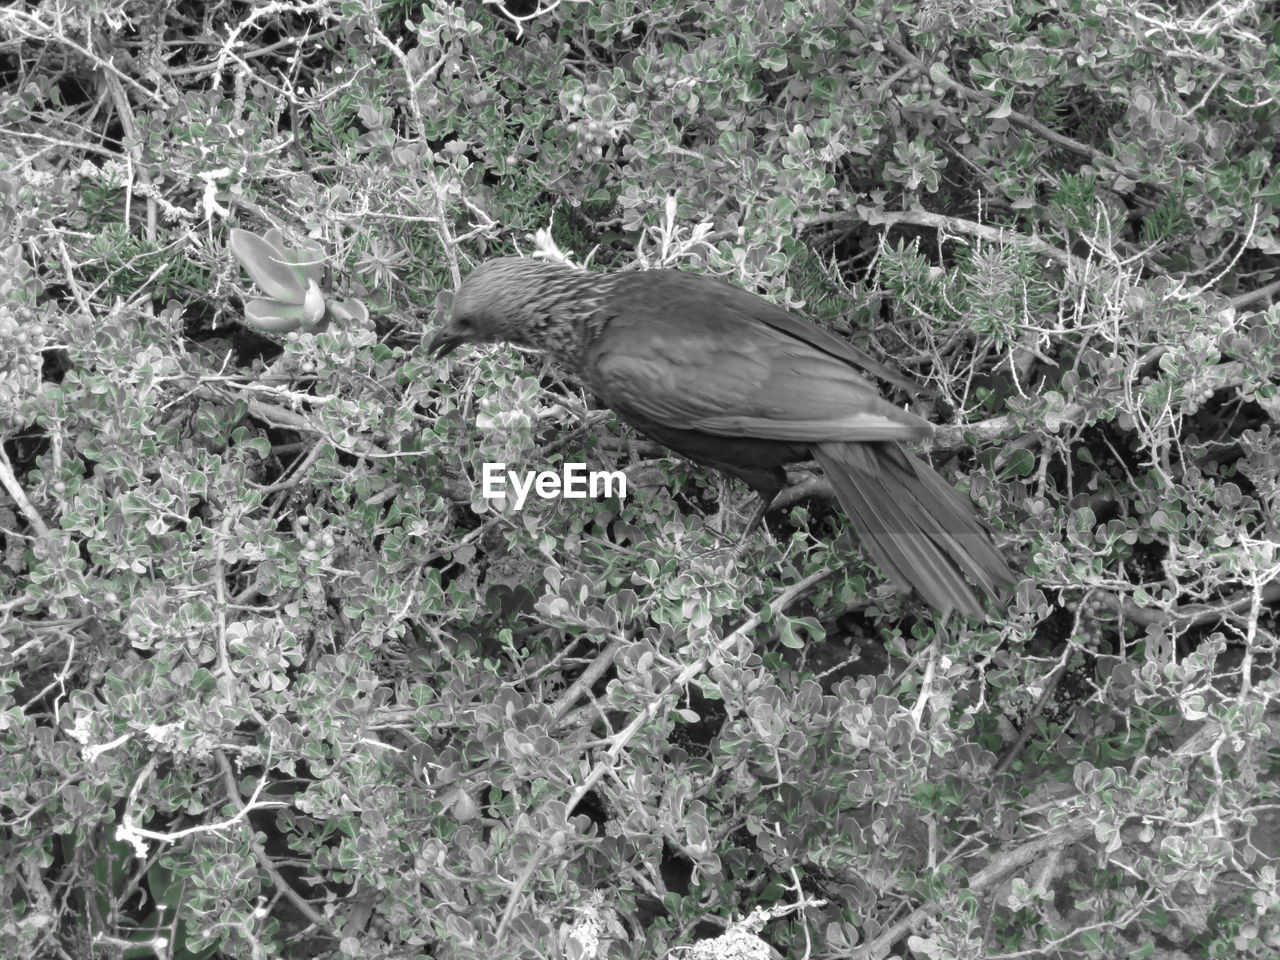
[276, 680]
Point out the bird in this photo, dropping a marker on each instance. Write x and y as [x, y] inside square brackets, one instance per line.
[730, 380]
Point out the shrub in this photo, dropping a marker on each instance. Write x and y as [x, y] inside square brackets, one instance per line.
[276, 680]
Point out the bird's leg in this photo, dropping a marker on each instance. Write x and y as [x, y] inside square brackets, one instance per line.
[757, 515]
[757, 519]
[737, 543]
[768, 500]
[779, 498]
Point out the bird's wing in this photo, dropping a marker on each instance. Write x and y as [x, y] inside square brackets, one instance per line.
[696, 354]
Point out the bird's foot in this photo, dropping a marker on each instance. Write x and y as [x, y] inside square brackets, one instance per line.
[737, 543]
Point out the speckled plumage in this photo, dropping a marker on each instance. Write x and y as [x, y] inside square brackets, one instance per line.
[534, 303]
[729, 380]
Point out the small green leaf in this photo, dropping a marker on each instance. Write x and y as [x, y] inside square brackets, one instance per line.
[1019, 464]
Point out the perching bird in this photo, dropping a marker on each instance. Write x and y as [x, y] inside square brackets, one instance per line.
[727, 379]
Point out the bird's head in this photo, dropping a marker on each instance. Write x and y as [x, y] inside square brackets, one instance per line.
[512, 299]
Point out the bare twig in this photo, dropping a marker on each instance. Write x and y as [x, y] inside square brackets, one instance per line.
[618, 742]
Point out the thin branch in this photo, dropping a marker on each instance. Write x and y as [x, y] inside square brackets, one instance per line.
[9, 480]
[943, 223]
[51, 33]
[260, 855]
[999, 867]
[619, 741]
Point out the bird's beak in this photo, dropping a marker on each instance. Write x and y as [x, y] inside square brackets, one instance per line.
[445, 342]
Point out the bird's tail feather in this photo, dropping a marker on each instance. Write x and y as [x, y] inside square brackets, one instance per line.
[918, 529]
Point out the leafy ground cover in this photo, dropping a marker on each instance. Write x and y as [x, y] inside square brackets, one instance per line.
[276, 680]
